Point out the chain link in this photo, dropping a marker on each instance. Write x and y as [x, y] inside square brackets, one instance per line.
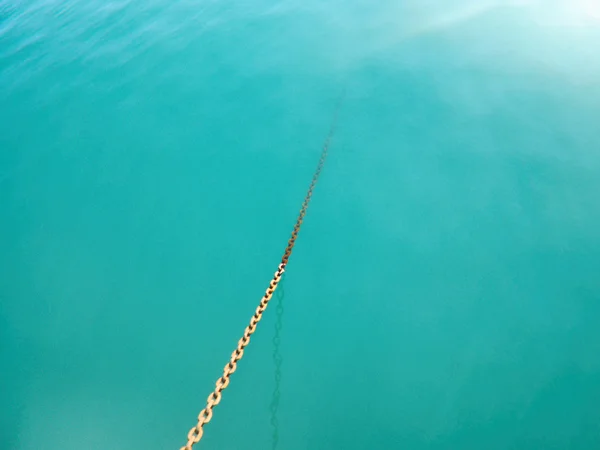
[196, 432]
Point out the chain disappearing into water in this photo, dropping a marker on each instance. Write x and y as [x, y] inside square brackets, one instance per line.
[195, 434]
[277, 360]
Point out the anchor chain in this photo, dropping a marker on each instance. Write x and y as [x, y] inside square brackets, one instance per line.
[196, 432]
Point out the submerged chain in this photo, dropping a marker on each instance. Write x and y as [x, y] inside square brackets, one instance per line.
[195, 434]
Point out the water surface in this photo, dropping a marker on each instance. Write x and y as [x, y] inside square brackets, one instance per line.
[444, 291]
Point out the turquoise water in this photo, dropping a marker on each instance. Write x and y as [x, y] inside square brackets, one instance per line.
[444, 291]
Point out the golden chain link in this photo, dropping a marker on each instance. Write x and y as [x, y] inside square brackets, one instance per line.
[195, 434]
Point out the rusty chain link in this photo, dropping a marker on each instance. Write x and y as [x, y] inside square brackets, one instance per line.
[196, 432]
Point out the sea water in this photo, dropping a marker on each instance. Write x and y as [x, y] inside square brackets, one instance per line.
[444, 292]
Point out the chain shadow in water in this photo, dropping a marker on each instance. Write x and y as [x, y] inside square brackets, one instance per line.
[277, 360]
